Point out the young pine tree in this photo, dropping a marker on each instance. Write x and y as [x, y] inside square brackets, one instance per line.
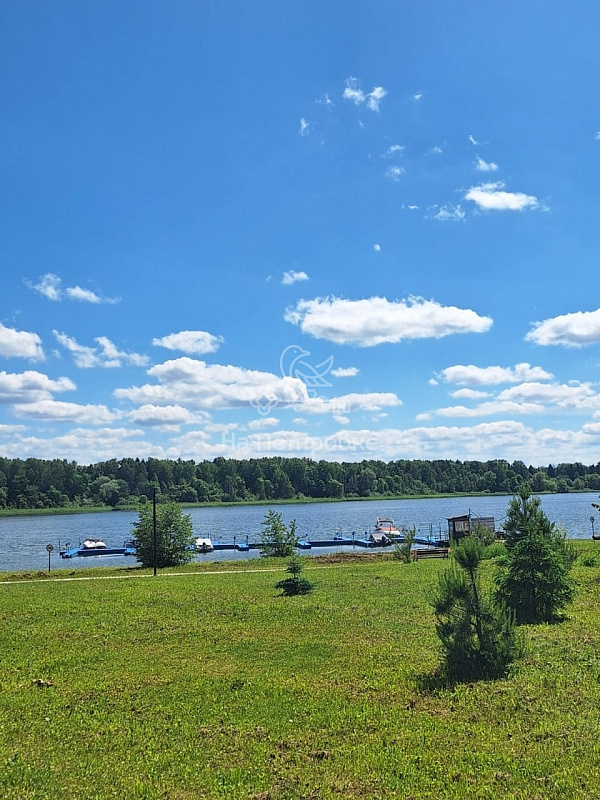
[296, 583]
[478, 636]
[534, 580]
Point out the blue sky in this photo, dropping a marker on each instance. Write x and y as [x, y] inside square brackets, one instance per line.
[340, 231]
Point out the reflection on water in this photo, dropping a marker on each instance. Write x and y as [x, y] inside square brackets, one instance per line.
[23, 539]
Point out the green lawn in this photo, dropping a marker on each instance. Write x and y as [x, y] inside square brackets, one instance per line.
[214, 686]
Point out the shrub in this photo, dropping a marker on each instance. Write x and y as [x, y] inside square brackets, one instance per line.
[403, 550]
[295, 584]
[478, 636]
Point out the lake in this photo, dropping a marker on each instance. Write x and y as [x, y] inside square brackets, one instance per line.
[23, 539]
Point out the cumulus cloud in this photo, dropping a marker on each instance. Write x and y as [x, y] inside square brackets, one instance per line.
[490, 408]
[394, 172]
[31, 387]
[488, 376]
[106, 354]
[261, 424]
[166, 418]
[436, 151]
[376, 320]
[197, 384]
[485, 166]
[84, 445]
[349, 403]
[345, 372]
[191, 342]
[469, 394]
[561, 395]
[377, 248]
[578, 329]
[59, 411]
[20, 344]
[50, 286]
[340, 419]
[394, 149]
[492, 197]
[447, 213]
[357, 96]
[292, 276]
[417, 96]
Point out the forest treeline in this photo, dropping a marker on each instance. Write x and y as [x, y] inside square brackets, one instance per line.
[35, 483]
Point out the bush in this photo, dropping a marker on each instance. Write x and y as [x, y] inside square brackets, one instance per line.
[277, 539]
[403, 550]
[478, 636]
[295, 584]
[174, 536]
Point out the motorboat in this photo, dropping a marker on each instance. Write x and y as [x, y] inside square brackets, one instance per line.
[387, 526]
[94, 544]
[203, 545]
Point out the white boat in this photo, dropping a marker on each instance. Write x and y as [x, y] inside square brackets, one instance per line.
[203, 545]
[94, 544]
[387, 526]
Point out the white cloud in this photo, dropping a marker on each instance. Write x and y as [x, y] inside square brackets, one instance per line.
[393, 149]
[436, 151]
[377, 248]
[469, 394]
[352, 92]
[31, 387]
[292, 276]
[326, 101]
[562, 395]
[50, 286]
[191, 342]
[412, 208]
[488, 376]
[340, 419]
[493, 407]
[20, 344]
[59, 411]
[447, 213]
[349, 403]
[196, 384]
[376, 320]
[394, 172]
[491, 197]
[357, 96]
[264, 422]
[105, 355]
[167, 417]
[345, 372]
[84, 445]
[305, 127]
[473, 140]
[578, 329]
[485, 166]
[597, 136]
[417, 96]
[375, 97]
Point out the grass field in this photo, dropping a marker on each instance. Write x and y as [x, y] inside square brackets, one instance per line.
[211, 685]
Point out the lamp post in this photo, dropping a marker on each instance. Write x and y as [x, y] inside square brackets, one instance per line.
[592, 520]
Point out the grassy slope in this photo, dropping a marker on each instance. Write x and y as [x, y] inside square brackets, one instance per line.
[213, 686]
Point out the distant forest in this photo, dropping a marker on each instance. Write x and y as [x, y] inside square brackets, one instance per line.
[34, 483]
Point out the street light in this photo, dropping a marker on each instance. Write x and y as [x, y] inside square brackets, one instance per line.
[592, 520]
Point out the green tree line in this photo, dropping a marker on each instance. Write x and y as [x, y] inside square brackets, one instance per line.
[35, 483]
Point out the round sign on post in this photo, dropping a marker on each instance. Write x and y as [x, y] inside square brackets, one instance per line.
[49, 548]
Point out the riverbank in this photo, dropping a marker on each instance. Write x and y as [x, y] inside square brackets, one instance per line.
[24, 512]
[205, 685]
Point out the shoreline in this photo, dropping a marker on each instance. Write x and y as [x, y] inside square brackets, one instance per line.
[70, 510]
